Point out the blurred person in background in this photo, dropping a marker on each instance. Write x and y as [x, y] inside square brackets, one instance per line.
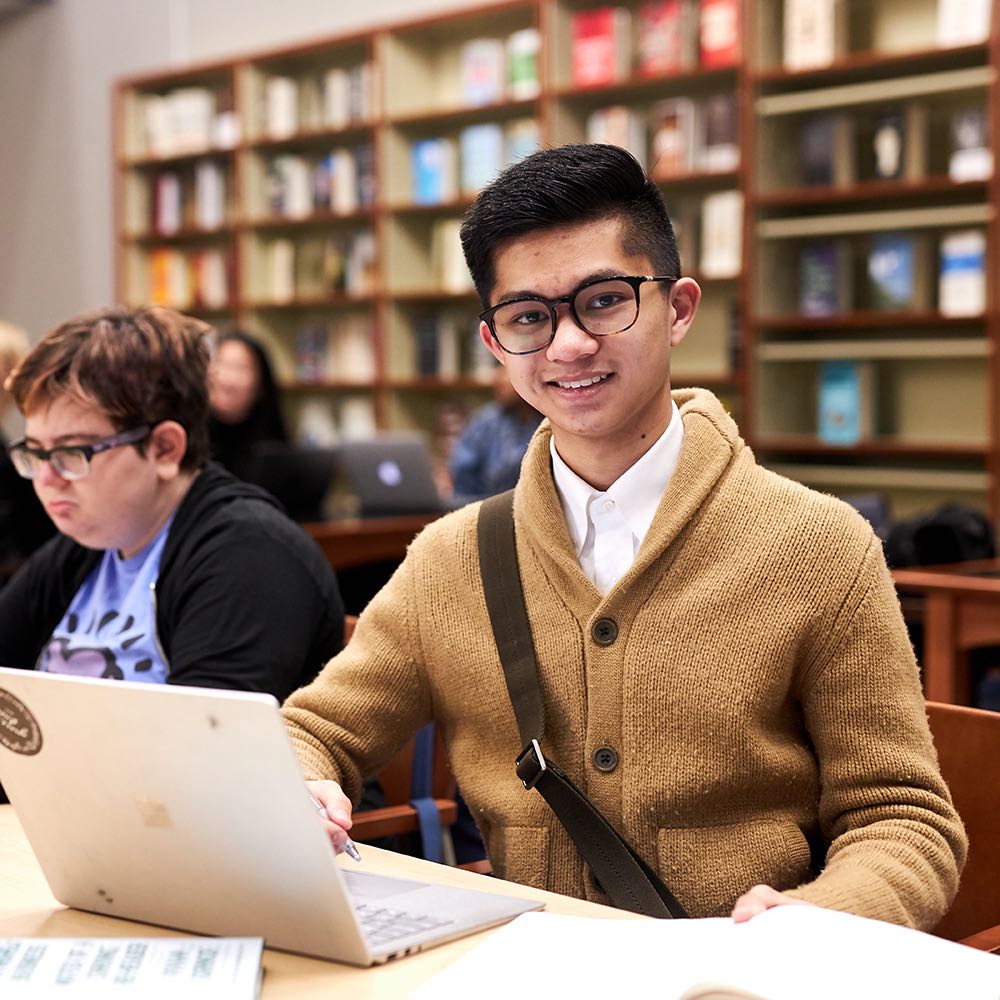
[23, 523]
[487, 457]
[243, 401]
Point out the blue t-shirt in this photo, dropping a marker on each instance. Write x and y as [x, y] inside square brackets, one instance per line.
[109, 629]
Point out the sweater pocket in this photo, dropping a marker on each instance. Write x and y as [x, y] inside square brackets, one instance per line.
[708, 868]
[523, 853]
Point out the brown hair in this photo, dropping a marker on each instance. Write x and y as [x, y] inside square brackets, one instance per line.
[140, 367]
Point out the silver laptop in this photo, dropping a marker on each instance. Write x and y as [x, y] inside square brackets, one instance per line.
[185, 807]
[391, 474]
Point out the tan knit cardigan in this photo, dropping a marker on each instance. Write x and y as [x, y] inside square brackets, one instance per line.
[761, 693]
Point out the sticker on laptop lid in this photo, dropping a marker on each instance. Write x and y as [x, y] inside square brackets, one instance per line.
[19, 729]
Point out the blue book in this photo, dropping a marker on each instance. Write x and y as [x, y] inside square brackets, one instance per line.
[433, 168]
[845, 402]
[897, 271]
[481, 148]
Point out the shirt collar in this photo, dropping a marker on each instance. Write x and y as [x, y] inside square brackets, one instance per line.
[637, 492]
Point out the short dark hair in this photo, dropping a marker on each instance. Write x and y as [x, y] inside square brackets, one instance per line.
[565, 186]
[140, 367]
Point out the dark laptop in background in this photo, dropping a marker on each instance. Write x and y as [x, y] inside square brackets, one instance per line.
[298, 476]
[391, 474]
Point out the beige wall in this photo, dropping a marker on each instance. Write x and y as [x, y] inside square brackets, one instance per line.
[57, 66]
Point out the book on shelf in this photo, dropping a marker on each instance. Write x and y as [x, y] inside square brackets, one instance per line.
[171, 282]
[618, 125]
[316, 425]
[601, 45]
[311, 112]
[352, 354]
[482, 71]
[814, 32]
[364, 165]
[448, 261]
[825, 273]
[344, 182]
[523, 49]
[211, 278]
[289, 184]
[335, 102]
[719, 42]
[181, 121]
[209, 194]
[962, 22]
[722, 234]
[198, 968]
[666, 37]
[970, 156]
[281, 107]
[899, 142]
[962, 273]
[827, 149]
[674, 129]
[846, 402]
[425, 345]
[357, 418]
[312, 352]
[167, 203]
[522, 138]
[719, 150]
[898, 271]
[359, 265]
[481, 155]
[310, 267]
[362, 84]
[685, 218]
[434, 170]
[480, 363]
[280, 262]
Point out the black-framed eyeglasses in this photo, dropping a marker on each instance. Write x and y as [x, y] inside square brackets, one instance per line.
[70, 461]
[600, 306]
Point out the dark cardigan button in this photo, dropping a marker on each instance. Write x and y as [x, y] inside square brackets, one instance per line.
[604, 631]
[605, 759]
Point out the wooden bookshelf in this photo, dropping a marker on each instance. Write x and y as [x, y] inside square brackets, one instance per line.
[818, 284]
[385, 298]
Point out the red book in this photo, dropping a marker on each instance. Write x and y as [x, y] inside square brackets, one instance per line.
[719, 33]
[601, 45]
[666, 38]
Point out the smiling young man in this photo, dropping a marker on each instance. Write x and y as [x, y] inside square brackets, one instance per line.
[166, 569]
[722, 660]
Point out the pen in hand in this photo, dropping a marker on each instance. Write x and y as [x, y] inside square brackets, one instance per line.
[349, 848]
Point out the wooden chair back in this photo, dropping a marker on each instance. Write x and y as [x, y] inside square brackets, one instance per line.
[968, 746]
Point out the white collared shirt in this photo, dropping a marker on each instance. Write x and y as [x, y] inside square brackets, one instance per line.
[608, 527]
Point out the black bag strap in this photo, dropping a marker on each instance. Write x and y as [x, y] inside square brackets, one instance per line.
[629, 882]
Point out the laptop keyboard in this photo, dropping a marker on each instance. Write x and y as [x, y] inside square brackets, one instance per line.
[382, 924]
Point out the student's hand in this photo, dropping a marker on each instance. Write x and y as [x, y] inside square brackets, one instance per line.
[758, 899]
[337, 820]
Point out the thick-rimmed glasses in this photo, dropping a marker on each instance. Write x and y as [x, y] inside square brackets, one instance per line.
[600, 306]
[70, 461]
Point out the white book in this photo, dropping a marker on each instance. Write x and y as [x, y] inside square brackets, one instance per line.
[962, 22]
[355, 354]
[281, 270]
[295, 178]
[357, 419]
[209, 194]
[281, 107]
[344, 183]
[722, 229]
[482, 71]
[962, 273]
[213, 290]
[191, 116]
[317, 425]
[335, 108]
[167, 200]
[181, 293]
[156, 126]
[360, 264]
[814, 32]
[449, 261]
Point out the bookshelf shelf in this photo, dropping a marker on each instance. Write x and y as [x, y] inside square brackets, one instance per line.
[819, 350]
[872, 66]
[878, 448]
[869, 320]
[901, 189]
[936, 217]
[181, 236]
